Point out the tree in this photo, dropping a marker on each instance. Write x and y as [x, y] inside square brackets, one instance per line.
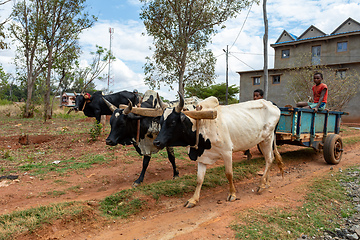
[61, 23]
[4, 84]
[26, 29]
[219, 90]
[99, 62]
[342, 87]
[47, 30]
[3, 45]
[181, 30]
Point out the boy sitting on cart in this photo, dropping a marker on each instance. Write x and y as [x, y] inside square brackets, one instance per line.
[320, 94]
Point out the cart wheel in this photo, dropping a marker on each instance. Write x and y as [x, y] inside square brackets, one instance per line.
[333, 149]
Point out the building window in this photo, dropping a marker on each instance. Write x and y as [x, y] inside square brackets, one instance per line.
[341, 46]
[276, 79]
[341, 74]
[285, 53]
[256, 80]
[315, 55]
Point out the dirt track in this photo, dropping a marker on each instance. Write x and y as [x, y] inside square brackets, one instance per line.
[168, 219]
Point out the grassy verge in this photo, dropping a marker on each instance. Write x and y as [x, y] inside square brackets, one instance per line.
[64, 166]
[324, 207]
[31, 219]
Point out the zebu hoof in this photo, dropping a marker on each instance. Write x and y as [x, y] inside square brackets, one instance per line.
[175, 177]
[135, 184]
[260, 190]
[231, 198]
[189, 204]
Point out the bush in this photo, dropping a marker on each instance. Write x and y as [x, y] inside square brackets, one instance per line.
[95, 131]
[5, 102]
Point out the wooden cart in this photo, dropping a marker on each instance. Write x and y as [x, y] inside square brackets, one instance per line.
[304, 127]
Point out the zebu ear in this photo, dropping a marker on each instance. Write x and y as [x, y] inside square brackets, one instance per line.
[111, 106]
[180, 106]
[183, 117]
[128, 109]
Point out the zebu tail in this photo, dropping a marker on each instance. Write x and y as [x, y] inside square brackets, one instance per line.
[278, 157]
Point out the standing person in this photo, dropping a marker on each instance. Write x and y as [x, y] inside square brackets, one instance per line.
[320, 94]
[258, 94]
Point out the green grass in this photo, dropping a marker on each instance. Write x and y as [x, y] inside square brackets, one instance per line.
[72, 164]
[28, 220]
[55, 193]
[122, 204]
[351, 140]
[324, 207]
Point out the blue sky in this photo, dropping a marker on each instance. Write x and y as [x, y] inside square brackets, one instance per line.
[243, 35]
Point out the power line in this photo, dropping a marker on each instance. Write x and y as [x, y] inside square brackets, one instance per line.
[242, 25]
[242, 61]
[260, 54]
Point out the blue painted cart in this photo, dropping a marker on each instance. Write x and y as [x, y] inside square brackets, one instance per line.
[304, 127]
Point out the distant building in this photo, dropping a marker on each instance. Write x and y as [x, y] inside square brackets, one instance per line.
[339, 51]
[67, 100]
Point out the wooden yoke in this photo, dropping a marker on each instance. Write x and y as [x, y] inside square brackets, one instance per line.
[146, 112]
[198, 115]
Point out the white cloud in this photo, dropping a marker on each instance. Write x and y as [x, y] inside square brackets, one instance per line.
[130, 47]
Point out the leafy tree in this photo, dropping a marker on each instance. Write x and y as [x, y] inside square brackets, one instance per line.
[4, 84]
[86, 76]
[181, 30]
[47, 31]
[217, 90]
[3, 45]
[80, 79]
[61, 23]
[342, 88]
[30, 58]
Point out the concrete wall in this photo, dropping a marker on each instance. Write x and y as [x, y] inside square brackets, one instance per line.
[329, 54]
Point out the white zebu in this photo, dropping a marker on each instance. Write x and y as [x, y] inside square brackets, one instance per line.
[238, 127]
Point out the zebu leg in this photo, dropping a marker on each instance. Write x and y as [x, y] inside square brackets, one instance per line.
[200, 179]
[266, 148]
[171, 156]
[229, 175]
[138, 181]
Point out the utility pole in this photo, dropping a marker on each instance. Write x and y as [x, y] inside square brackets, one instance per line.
[111, 31]
[265, 39]
[227, 73]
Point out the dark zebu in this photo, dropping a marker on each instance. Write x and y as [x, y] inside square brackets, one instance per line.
[237, 127]
[94, 106]
[124, 130]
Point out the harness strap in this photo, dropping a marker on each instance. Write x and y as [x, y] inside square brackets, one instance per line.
[84, 106]
[138, 122]
[196, 146]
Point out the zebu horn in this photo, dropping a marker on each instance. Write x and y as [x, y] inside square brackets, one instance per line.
[110, 105]
[74, 93]
[180, 106]
[128, 109]
[161, 103]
